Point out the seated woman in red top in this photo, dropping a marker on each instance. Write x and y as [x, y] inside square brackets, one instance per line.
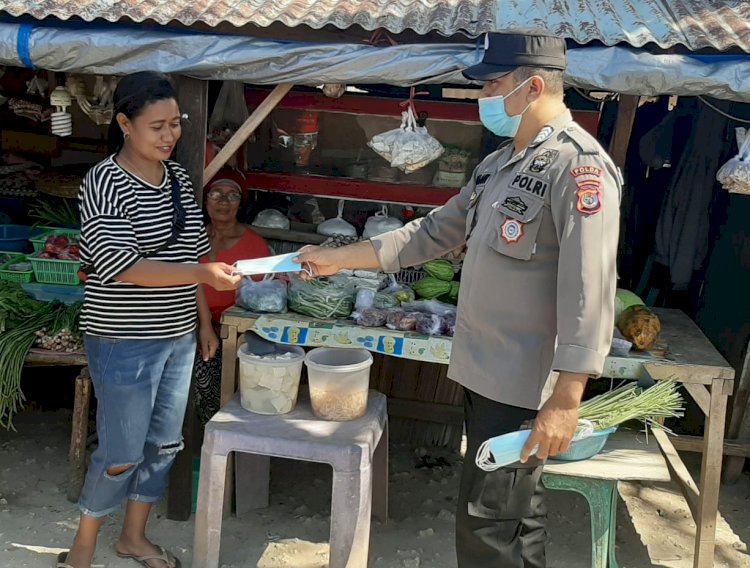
[230, 241]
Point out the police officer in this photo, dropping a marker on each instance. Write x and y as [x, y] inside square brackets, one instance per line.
[539, 219]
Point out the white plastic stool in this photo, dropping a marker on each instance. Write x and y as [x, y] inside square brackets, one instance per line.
[357, 450]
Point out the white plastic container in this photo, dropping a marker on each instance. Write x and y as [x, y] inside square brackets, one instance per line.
[269, 384]
[339, 381]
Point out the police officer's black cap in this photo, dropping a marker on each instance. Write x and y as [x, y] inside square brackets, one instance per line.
[505, 52]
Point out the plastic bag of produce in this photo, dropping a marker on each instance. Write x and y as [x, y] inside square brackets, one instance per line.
[370, 317]
[337, 225]
[430, 324]
[365, 299]
[734, 176]
[450, 324]
[401, 320]
[409, 147]
[271, 219]
[266, 296]
[380, 223]
[430, 307]
[320, 299]
[401, 292]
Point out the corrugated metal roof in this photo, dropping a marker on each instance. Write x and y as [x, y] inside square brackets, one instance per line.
[697, 24]
[445, 16]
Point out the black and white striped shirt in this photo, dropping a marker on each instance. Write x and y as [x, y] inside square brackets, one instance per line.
[123, 218]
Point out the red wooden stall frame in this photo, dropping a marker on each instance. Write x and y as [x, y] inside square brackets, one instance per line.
[366, 190]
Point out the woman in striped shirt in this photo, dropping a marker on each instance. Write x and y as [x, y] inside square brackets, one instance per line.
[141, 238]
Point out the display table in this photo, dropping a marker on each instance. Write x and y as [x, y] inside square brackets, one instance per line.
[690, 359]
[80, 426]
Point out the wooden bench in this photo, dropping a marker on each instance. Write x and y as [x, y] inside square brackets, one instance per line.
[625, 457]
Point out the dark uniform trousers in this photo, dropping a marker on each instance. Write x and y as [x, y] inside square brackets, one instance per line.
[501, 516]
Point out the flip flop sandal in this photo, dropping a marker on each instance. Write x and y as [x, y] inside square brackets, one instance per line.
[164, 557]
[61, 560]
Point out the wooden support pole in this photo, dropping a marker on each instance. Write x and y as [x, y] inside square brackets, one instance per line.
[708, 504]
[618, 148]
[79, 434]
[192, 96]
[244, 132]
[739, 425]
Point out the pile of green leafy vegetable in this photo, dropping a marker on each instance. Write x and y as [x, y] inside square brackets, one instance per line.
[20, 318]
[57, 212]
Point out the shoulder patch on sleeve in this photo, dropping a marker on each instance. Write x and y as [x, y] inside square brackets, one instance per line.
[586, 143]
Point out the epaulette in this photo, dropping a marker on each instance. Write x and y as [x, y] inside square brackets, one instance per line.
[586, 143]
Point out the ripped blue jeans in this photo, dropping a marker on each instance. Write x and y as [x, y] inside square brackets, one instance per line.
[141, 388]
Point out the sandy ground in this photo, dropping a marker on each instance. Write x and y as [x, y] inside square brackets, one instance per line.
[36, 521]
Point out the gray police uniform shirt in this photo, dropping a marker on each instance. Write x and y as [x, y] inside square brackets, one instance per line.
[539, 276]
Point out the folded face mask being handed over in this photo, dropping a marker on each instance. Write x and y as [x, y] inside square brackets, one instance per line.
[270, 265]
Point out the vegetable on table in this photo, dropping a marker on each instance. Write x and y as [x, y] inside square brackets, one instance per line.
[440, 269]
[623, 300]
[60, 247]
[21, 317]
[59, 212]
[631, 402]
[431, 287]
[639, 325]
[320, 299]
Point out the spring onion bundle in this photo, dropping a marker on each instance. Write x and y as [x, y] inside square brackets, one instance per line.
[631, 402]
[56, 212]
[20, 319]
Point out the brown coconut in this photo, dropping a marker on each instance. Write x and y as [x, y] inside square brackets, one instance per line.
[640, 326]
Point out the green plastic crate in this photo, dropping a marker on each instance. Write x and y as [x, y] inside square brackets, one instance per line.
[12, 275]
[53, 271]
[39, 240]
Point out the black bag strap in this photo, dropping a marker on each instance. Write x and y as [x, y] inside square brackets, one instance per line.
[179, 215]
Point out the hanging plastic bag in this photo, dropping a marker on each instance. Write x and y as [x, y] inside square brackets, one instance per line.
[271, 219]
[337, 225]
[734, 176]
[380, 223]
[409, 147]
[266, 296]
[229, 113]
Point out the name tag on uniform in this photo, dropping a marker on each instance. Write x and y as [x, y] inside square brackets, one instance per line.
[529, 183]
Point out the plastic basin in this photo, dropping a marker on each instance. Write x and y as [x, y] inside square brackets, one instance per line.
[586, 448]
[339, 382]
[268, 385]
[14, 238]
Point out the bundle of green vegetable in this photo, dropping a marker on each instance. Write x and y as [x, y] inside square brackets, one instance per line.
[631, 402]
[321, 299]
[20, 319]
[56, 213]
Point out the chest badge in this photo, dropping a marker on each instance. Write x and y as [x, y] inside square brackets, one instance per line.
[540, 162]
[515, 204]
[511, 230]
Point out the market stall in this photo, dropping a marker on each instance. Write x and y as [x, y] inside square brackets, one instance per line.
[683, 355]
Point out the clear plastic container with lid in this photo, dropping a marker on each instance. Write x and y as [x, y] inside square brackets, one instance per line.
[339, 382]
[269, 383]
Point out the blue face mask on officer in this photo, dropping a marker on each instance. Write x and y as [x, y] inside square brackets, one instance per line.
[494, 114]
